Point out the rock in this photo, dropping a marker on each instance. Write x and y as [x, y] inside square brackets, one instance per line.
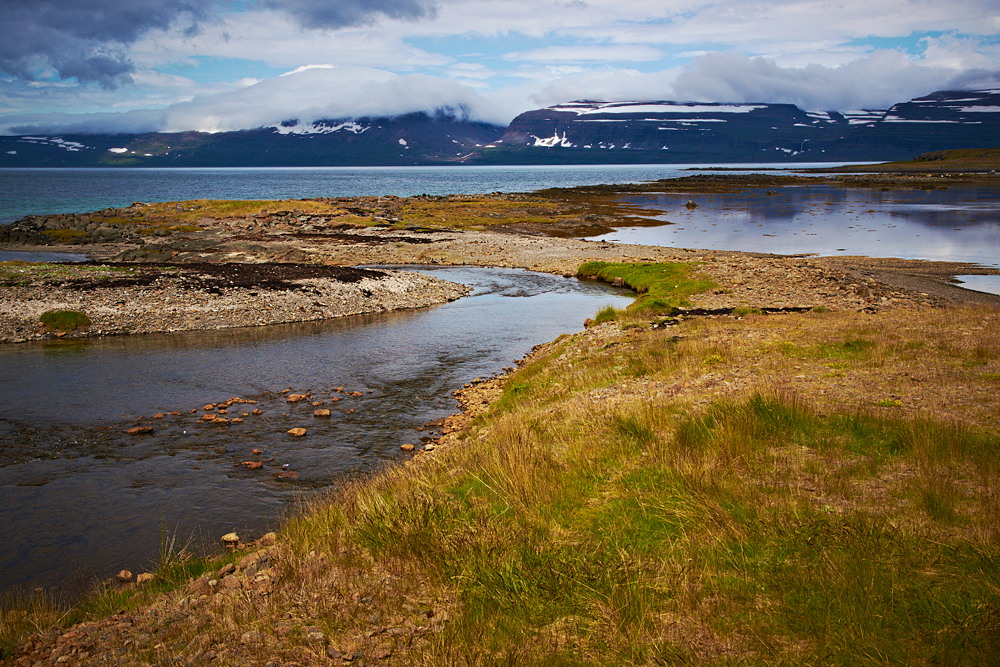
[226, 569]
[257, 411]
[267, 539]
[230, 540]
[252, 465]
[407, 447]
[322, 412]
[140, 430]
[298, 432]
[251, 637]
[257, 451]
[210, 406]
[295, 398]
[144, 578]
[124, 576]
[286, 474]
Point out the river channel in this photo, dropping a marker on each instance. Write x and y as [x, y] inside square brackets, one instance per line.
[80, 499]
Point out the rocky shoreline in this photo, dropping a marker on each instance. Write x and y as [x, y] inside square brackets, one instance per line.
[538, 232]
[132, 299]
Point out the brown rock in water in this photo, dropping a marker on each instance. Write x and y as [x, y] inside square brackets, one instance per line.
[322, 412]
[407, 447]
[286, 474]
[351, 411]
[295, 398]
[257, 411]
[236, 420]
[124, 576]
[207, 418]
[210, 406]
[298, 432]
[230, 540]
[315, 403]
[253, 465]
[257, 451]
[140, 430]
[144, 578]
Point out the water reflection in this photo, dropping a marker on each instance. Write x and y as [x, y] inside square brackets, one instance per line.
[961, 223]
[76, 491]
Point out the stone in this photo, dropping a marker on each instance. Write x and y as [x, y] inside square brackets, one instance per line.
[407, 447]
[230, 540]
[295, 398]
[298, 431]
[144, 578]
[251, 637]
[210, 406]
[226, 569]
[252, 465]
[257, 451]
[286, 474]
[140, 430]
[267, 539]
[124, 576]
[322, 412]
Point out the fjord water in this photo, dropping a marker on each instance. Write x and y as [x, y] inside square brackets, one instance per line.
[39, 191]
[80, 498]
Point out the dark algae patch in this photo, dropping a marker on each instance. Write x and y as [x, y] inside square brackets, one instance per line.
[105, 275]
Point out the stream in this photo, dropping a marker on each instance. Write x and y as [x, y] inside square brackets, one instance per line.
[80, 499]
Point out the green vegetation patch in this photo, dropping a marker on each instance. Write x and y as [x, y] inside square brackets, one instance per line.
[64, 320]
[663, 288]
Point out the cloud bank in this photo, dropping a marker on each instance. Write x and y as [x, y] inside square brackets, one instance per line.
[83, 39]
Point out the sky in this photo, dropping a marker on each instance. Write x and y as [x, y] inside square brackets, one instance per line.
[217, 65]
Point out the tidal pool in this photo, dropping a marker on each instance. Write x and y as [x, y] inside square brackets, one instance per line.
[959, 224]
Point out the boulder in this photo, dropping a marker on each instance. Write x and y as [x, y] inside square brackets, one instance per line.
[298, 431]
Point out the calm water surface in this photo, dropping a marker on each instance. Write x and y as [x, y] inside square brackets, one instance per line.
[37, 191]
[960, 224]
[79, 496]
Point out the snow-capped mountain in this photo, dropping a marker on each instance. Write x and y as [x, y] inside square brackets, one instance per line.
[578, 132]
[586, 131]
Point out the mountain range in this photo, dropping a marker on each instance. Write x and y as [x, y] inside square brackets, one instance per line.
[580, 132]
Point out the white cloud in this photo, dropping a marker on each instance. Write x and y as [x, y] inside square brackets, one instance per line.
[499, 57]
[879, 80]
[587, 53]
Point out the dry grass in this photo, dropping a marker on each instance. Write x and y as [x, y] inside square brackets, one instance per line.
[725, 490]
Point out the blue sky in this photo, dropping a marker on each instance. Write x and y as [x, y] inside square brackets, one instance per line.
[142, 65]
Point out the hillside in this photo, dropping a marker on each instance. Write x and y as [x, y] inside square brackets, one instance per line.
[582, 132]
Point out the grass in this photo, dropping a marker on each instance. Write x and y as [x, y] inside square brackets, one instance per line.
[643, 497]
[64, 320]
[663, 288]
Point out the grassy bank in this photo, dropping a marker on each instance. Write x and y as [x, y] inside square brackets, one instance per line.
[807, 488]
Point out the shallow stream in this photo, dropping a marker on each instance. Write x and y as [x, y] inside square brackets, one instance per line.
[80, 499]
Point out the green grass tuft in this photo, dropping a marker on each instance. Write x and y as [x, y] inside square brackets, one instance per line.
[663, 288]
